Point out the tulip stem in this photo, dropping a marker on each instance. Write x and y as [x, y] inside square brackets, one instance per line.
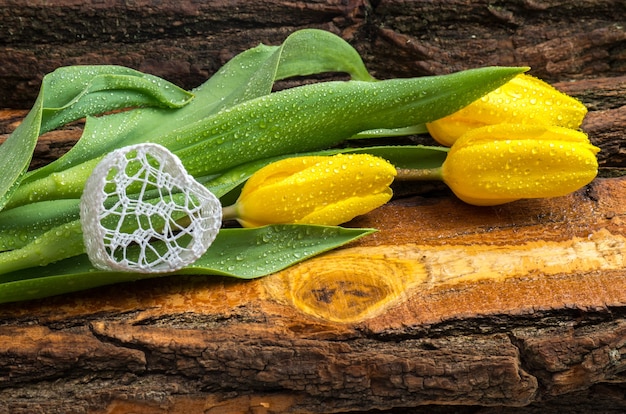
[229, 213]
[422, 174]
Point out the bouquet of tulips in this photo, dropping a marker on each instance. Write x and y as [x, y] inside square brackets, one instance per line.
[158, 169]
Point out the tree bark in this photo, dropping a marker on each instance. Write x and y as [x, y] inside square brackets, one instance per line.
[186, 41]
[447, 308]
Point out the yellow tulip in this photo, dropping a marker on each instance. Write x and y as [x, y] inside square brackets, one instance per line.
[522, 100]
[327, 190]
[506, 162]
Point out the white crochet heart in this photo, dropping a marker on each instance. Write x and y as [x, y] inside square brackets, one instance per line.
[142, 212]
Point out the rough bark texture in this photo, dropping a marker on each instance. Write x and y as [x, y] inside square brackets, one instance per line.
[186, 41]
[520, 305]
[448, 308]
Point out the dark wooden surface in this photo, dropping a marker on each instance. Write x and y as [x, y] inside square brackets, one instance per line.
[448, 308]
[186, 41]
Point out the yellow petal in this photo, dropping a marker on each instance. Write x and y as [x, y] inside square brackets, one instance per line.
[501, 163]
[290, 190]
[345, 210]
[522, 100]
[278, 171]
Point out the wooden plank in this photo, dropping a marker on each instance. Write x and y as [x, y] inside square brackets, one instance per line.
[447, 303]
[448, 308]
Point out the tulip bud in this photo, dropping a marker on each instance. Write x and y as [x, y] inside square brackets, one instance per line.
[522, 100]
[506, 162]
[326, 190]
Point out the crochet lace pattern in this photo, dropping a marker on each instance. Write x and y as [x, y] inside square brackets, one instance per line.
[142, 212]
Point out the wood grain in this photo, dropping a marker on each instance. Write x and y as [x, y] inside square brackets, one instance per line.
[447, 303]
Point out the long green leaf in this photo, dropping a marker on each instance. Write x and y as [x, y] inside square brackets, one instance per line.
[302, 119]
[252, 253]
[314, 117]
[16, 153]
[249, 75]
[409, 156]
[312, 51]
[66, 96]
[239, 253]
[74, 92]
[393, 132]
[22, 225]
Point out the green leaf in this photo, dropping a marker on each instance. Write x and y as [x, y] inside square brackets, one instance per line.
[16, 153]
[22, 225]
[60, 242]
[239, 253]
[409, 156]
[318, 116]
[105, 133]
[249, 75]
[304, 52]
[311, 51]
[252, 253]
[252, 73]
[71, 93]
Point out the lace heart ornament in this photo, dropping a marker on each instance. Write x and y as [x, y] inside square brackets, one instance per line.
[142, 212]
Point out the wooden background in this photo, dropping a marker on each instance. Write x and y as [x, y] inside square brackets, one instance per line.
[448, 308]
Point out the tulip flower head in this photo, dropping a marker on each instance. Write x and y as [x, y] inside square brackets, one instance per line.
[325, 190]
[522, 100]
[506, 162]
